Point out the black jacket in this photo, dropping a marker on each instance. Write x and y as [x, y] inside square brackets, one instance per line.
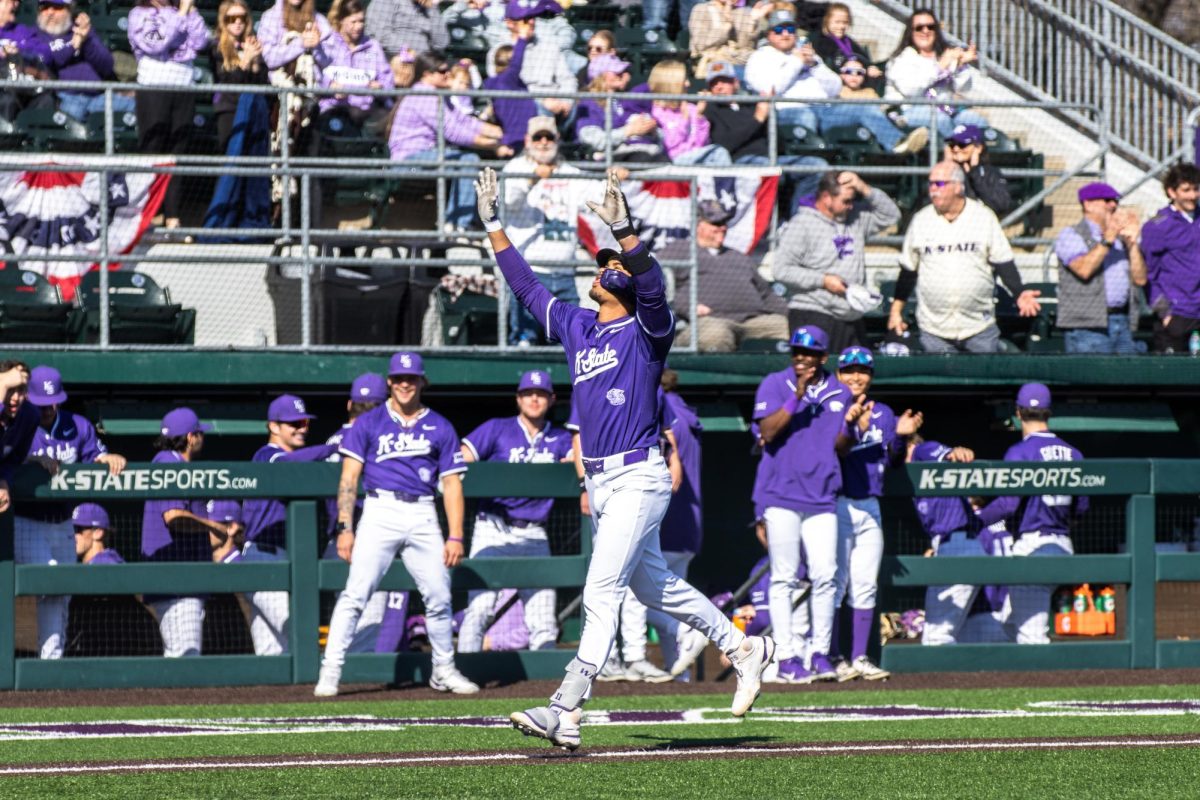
[988, 186]
[737, 129]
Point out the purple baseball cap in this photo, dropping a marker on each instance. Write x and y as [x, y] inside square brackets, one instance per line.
[966, 134]
[605, 63]
[288, 408]
[369, 388]
[182, 421]
[856, 357]
[536, 379]
[1093, 191]
[527, 9]
[1033, 395]
[89, 515]
[931, 451]
[223, 510]
[405, 363]
[809, 337]
[45, 386]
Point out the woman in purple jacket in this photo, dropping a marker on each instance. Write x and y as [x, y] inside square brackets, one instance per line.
[357, 62]
[165, 40]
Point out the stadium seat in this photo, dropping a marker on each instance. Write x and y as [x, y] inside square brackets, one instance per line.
[465, 43]
[1044, 336]
[32, 309]
[800, 141]
[140, 311]
[50, 129]
[125, 134]
[340, 138]
[850, 142]
[10, 137]
[594, 16]
[469, 319]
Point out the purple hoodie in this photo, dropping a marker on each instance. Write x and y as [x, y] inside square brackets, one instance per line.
[350, 65]
[163, 34]
[31, 46]
[592, 113]
[279, 53]
[512, 113]
[93, 62]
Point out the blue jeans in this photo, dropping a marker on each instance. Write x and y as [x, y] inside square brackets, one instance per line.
[921, 117]
[522, 326]
[656, 12]
[986, 341]
[1117, 339]
[802, 184]
[789, 116]
[79, 106]
[870, 117]
[712, 155]
[460, 192]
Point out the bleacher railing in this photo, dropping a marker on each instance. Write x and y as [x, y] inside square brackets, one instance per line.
[1140, 567]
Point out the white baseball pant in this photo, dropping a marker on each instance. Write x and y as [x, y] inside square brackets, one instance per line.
[628, 505]
[786, 530]
[388, 526]
[1029, 618]
[946, 607]
[860, 551]
[38, 542]
[367, 632]
[269, 611]
[181, 623]
[987, 628]
[670, 630]
[493, 537]
[633, 629]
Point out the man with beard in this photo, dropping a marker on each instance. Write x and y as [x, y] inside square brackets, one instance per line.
[542, 201]
[23, 55]
[77, 54]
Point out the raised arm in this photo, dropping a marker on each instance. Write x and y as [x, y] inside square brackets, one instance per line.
[517, 273]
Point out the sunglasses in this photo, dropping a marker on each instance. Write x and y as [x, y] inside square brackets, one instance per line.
[779, 30]
[300, 424]
[598, 48]
[940, 184]
[232, 18]
[543, 136]
[856, 358]
[854, 71]
[444, 69]
[925, 28]
[805, 340]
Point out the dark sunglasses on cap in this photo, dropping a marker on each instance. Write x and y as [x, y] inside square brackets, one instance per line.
[858, 357]
[853, 71]
[543, 136]
[779, 30]
[925, 28]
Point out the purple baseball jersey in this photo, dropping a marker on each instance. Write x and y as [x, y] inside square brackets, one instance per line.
[803, 473]
[1171, 246]
[863, 467]
[682, 528]
[615, 367]
[403, 458]
[16, 438]
[941, 516]
[158, 543]
[1047, 513]
[393, 629]
[506, 439]
[266, 518]
[71, 439]
[108, 556]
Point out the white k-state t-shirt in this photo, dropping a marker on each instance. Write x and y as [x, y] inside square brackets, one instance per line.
[953, 259]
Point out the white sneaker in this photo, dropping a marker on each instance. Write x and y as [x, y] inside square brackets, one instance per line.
[869, 671]
[447, 678]
[327, 682]
[646, 672]
[750, 660]
[846, 671]
[613, 670]
[691, 646]
[916, 139]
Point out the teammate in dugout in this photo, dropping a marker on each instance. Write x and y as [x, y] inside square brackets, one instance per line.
[515, 526]
[90, 522]
[400, 450]
[1044, 521]
[801, 413]
[874, 439]
[615, 358]
[266, 518]
[42, 531]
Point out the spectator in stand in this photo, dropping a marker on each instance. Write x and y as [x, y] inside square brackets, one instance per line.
[834, 45]
[77, 54]
[18, 424]
[1099, 267]
[821, 257]
[742, 130]
[356, 61]
[236, 57]
[25, 54]
[91, 529]
[166, 40]
[602, 43]
[400, 25]
[542, 215]
[789, 69]
[682, 124]
[733, 302]
[291, 29]
[984, 182]
[545, 68]
[1171, 245]
[512, 114]
[414, 135]
[463, 77]
[402, 68]
[634, 134]
[721, 30]
[960, 250]
[925, 66]
[482, 17]
[853, 72]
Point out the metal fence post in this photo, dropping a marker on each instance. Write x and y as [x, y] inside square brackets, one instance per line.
[305, 599]
[285, 154]
[105, 315]
[441, 157]
[694, 268]
[306, 337]
[1139, 540]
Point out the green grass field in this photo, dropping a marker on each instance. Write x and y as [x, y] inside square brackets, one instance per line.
[871, 754]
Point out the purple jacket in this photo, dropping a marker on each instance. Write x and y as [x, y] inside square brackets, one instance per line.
[164, 34]
[349, 65]
[512, 113]
[592, 113]
[279, 53]
[93, 62]
[683, 130]
[28, 41]
[1171, 247]
[414, 128]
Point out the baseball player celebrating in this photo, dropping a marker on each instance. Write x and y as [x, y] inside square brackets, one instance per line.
[801, 411]
[515, 526]
[266, 518]
[615, 357]
[400, 450]
[42, 532]
[874, 438]
[1044, 521]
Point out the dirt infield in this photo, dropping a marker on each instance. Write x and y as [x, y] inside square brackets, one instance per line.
[241, 695]
[729, 750]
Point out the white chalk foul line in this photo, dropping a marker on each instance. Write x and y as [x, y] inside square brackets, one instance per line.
[540, 755]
